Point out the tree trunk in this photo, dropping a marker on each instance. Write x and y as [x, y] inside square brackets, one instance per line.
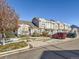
[3, 41]
[3, 38]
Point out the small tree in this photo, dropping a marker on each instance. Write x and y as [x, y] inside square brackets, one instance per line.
[45, 33]
[9, 34]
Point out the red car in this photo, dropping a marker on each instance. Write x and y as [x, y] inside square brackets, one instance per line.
[60, 35]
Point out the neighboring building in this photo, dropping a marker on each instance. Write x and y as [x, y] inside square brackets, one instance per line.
[78, 30]
[51, 25]
[75, 29]
[67, 27]
[23, 29]
[32, 28]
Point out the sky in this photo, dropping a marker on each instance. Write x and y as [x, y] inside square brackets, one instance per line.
[66, 11]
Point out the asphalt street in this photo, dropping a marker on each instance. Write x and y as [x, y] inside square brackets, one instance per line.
[67, 50]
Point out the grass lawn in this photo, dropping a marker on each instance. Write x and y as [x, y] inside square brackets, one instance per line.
[13, 46]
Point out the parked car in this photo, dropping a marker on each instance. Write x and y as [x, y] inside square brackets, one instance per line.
[60, 35]
[71, 35]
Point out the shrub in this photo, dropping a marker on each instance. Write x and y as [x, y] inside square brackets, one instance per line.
[35, 34]
[9, 35]
[22, 35]
[44, 34]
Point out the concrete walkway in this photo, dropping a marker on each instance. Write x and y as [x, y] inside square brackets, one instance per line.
[37, 43]
[49, 42]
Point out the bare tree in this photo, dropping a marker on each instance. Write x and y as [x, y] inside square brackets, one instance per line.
[8, 18]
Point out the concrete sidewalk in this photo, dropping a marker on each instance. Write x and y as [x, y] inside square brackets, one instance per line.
[49, 42]
[53, 41]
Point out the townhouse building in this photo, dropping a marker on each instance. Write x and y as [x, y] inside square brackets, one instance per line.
[51, 26]
[40, 25]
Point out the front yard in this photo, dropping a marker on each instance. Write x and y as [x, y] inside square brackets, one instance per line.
[12, 46]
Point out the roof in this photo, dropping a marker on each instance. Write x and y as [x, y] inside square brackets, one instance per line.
[74, 26]
[28, 23]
